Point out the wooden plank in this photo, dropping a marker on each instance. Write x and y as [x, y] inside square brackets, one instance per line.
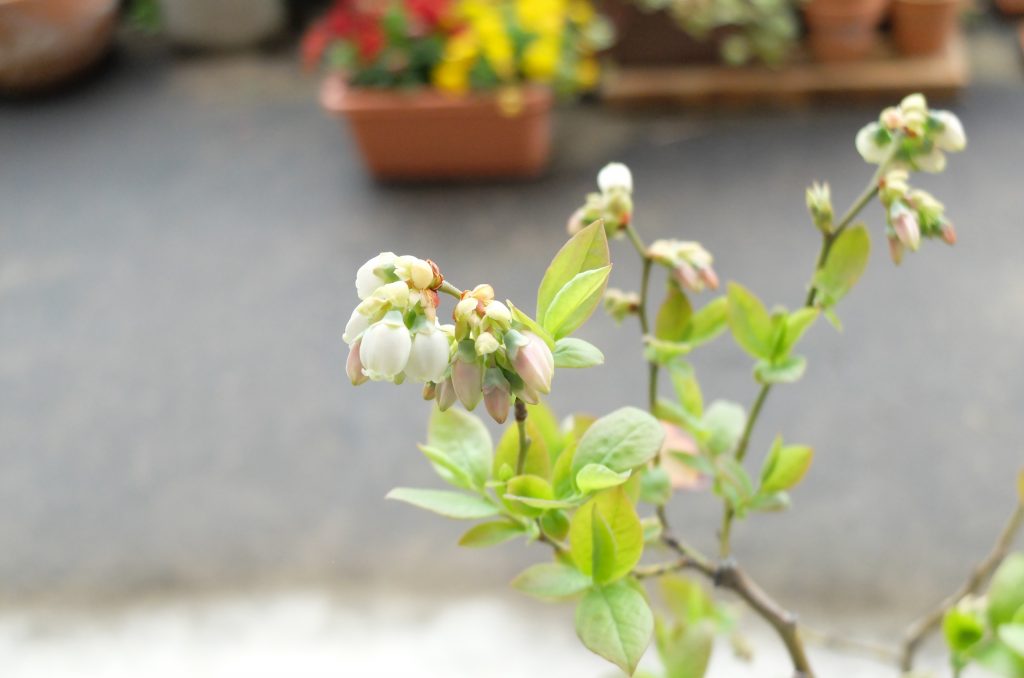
[884, 74]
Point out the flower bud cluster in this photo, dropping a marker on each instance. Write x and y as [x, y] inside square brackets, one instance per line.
[819, 204]
[923, 136]
[689, 262]
[619, 304]
[393, 334]
[496, 357]
[614, 204]
[911, 214]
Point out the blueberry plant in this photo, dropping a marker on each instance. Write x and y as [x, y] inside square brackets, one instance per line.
[594, 490]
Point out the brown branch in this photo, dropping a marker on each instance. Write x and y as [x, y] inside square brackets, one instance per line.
[927, 624]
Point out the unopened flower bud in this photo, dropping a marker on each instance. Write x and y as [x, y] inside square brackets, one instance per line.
[465, 308]
[446, 396]
[534, 363]
[686, 276]
[914, 103]
[354, 366]
[429, 356]
[370, 275]
[483, 293]
[429, 391]
[819, 204]
[905, 225]
[914, 123]
[951, 136]
[894, 186]
[933, 162]
[486, 344]
[498, 313]
[948, 233]
[619, 304]
[395, 293]
[575, 223]
[384, 348]
[895, 250]
[615, 175]
[414, 271]
[357, 324]
[467, 378]
[497, 398]
[891, 118]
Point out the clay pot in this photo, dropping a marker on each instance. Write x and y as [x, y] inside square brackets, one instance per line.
[922, 27]
[221, 24]
[46, 42]
[1012, 7]
[425, 134]
[644, 38]
[843, 30]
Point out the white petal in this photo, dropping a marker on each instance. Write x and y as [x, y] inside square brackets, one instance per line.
[367, 280]
[933, 162]
[615, 175]
[867, 146]
[356, 325]
[428, 358]
[952, 137]
[385, 350]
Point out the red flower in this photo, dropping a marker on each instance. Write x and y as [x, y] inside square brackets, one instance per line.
[428, 12]
[313, 46]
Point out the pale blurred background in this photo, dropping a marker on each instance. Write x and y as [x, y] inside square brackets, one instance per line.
[190, 486]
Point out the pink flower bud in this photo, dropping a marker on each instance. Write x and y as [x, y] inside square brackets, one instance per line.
[534, 363]
[895, 250]
[496, 395]
[904, 223]
[687, 277]
[445, 394]
[467, 378]
[354, 366]
[709, 276]
[948, 233]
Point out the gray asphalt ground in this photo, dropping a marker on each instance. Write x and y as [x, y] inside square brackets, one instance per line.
[178, 244]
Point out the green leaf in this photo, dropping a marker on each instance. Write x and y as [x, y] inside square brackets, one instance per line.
[674, 315]
[1012, 636]
[562, 478]
[769, 502]
[530, 324]
[616, 623]
[572, 352]
[585, 251]
[724, 421]
[530, 495]
[491, 534]
[998, 658]
[449, 504]
[845, 264]
[652, 529]
[785, 372]
[708, 322]
[605, 536]
[1006, 592]
[575, 302]
[785, 466]
[655, 486]
[733, 484]
[796, 324]
[555, 524]
[463, 439]
[686, 650]
[687, 388]
[595, 477]
[538, 461]
[447, 468]
[546, 425]
[750, 323]
[551, 581]
[622, 440]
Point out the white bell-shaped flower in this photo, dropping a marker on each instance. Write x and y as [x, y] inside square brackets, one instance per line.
[429, 356]
[615, 175]
[367, 277]
[385, 347]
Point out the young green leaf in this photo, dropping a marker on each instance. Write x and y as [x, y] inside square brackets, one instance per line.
[655, 486]
[575, 302]
[1012, 636]
[673, 318]
[733, 484]
[464, 441]
[785, 466]
[555, 524]
[708, 322]
[685, 650]
[551, 581]
[449, 504]
[750, 323]
[585, 251]
[531, 324]
[538, 460]
[546, 425]
[785, 371]
[616, 623]
[724, 421]
[491, 534]
[962, 629]
[796, 324]
[605, 536]
[595, 477]
[622, 440]
[563, 480]
[845, 264]
[530, 495]
[572, 352]
[1006, 592]
[687, 388]
[447, 468]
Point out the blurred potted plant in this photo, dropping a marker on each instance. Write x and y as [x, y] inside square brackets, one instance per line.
[922, 27]
[219, 24]
[843, 30]
[453, 88]
[45, 42]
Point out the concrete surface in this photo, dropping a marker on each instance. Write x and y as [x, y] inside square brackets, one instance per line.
[177, 249]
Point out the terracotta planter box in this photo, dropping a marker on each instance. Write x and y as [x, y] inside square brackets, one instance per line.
[424, 134]
[843, 30]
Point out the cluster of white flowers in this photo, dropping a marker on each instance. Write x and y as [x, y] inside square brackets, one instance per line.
[922, 136]
[614, 204]
[689, 262]
[394, 335]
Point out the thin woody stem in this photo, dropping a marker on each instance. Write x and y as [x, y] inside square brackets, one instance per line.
[450, 289]
[982, 572]
[645, 325]
[524, 440]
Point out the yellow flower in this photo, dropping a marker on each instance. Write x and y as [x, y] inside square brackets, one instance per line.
[541, 59]
[587, 73]
[451, 76]
[581, 12]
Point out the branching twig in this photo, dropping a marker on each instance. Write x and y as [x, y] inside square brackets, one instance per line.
[982, 572]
